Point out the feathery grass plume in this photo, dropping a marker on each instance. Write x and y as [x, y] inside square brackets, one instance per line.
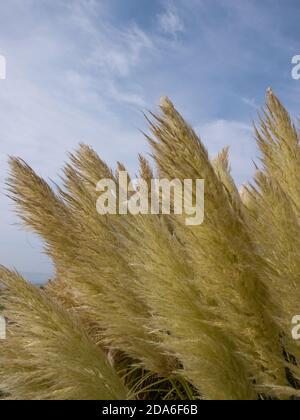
[222, 168]
[107, 271]
[274, 208]
[276, 230]
[47, 354]
[36, 203]
[40, 209]
[129, 329]
[229, 271]
[91, 264]
[245, 195]
[182, 316]
[278, 141]
[146, 172]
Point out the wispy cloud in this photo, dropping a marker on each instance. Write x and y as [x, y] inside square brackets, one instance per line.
[170, 21]
[251, 102]
[118, 52]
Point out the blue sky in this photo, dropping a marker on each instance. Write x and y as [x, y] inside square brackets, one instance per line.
[83, 70]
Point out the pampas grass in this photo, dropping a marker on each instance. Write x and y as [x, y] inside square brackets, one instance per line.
[145, 307]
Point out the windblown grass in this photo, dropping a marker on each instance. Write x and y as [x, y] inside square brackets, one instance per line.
[146, 307]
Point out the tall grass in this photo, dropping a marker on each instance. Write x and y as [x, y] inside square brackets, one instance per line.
[145, 307]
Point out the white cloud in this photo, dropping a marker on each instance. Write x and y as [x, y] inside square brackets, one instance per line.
[118, 52]
[170, 22]
[251, 102]
[131, 98]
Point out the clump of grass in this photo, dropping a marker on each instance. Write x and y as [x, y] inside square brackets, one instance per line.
[43, 335]
[146, 307]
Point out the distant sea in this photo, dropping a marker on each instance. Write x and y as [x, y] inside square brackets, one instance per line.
[37, 278]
